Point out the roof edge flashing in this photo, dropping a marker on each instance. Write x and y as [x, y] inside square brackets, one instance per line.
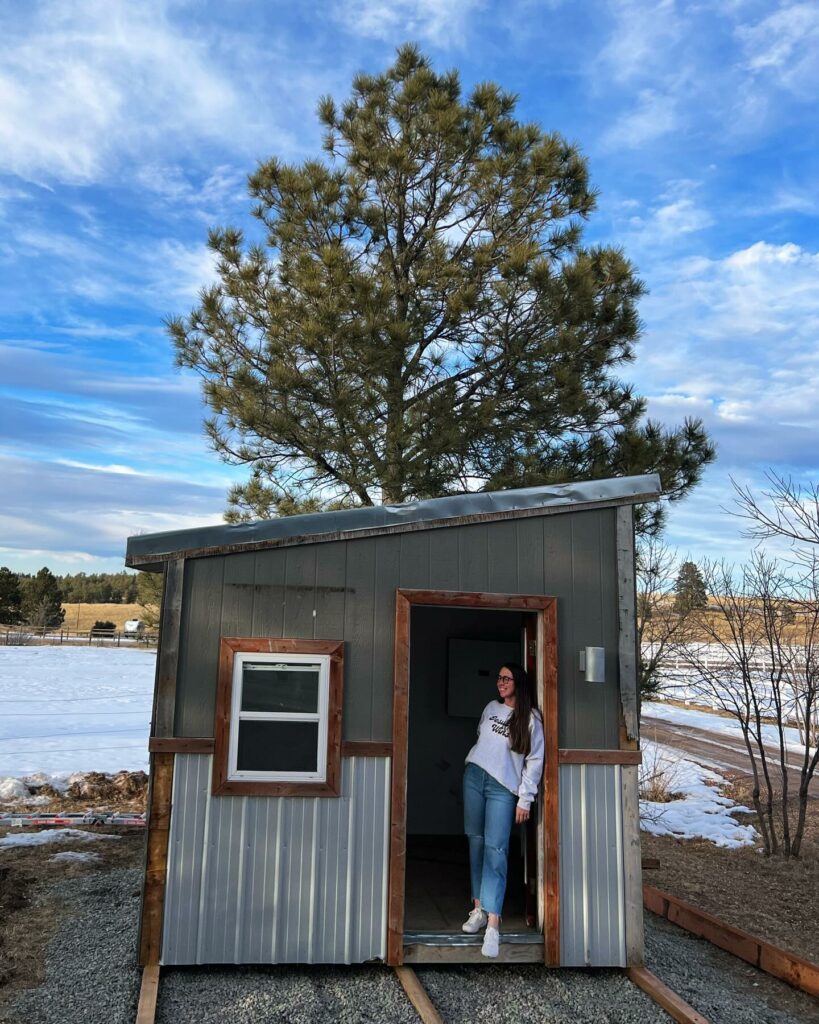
[150, 551]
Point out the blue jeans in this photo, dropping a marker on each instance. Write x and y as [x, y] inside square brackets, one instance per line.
[489, 812]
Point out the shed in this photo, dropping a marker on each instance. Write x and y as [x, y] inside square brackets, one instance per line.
[319, 680]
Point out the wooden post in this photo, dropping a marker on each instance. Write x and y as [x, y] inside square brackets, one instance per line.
[159, 821]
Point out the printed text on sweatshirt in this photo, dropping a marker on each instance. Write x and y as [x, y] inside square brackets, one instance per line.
[519, 774]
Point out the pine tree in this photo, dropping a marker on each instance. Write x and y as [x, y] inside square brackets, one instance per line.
[689, 589]
[10, 596]
[423, 316]
[42, 600]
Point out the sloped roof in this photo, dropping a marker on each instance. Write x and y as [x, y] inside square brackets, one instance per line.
[149, 551]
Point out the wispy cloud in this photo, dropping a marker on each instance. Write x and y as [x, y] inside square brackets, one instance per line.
[444, 25]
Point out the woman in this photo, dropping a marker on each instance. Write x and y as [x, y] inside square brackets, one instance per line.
[501, 777]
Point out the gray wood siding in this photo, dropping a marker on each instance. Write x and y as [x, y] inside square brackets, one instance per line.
[345, 590]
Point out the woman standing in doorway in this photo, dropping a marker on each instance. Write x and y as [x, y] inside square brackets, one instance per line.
[501, 777]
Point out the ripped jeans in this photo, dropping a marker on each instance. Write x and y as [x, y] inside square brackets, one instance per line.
[489, 812]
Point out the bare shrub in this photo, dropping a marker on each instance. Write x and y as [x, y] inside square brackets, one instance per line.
[762, 667]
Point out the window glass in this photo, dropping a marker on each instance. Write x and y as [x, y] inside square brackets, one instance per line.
[276, 687]
[277, 746]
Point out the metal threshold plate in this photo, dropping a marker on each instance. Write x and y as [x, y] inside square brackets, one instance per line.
[462, 939]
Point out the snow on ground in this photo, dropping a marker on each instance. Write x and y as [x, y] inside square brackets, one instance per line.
[70, 709]
[717, 723]
[701, 812]
[53, 835]
[76, 857]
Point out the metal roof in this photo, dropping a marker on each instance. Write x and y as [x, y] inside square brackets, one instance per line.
[149, 551]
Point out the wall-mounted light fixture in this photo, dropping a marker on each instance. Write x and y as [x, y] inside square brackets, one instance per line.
[593, 664]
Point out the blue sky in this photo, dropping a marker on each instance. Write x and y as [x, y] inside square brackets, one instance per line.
[126, 129]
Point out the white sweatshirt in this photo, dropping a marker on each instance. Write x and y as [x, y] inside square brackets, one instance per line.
[492, 752]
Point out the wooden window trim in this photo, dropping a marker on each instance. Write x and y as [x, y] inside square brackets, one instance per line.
[228, 648]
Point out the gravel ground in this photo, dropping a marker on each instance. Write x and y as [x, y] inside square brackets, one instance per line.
[91, 980]
[722, 987]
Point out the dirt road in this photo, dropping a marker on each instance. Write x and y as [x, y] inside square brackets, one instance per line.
[715, 749]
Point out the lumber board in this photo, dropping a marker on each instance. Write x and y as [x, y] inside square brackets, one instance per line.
[167, 661]
[417, 995]
[788, 967]
[664, 996]
[632, 866]
[153, 897]
[572, 755]
[148, 991]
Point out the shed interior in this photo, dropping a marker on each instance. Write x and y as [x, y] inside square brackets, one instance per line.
[455, 654]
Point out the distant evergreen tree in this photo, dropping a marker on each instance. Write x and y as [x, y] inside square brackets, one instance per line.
[10, 596]
[99, 588]
[42, 600]
[689, 590]
[149, 587]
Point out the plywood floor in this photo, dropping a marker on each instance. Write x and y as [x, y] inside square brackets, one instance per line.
[437, 887]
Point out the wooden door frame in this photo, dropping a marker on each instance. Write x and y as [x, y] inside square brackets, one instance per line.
[546, 609]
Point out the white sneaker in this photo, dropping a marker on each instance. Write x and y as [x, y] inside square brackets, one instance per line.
[477, 919]
[491, 941]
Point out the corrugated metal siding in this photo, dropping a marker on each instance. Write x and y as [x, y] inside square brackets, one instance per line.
[592, 907]
[345, 590]
[277, 880]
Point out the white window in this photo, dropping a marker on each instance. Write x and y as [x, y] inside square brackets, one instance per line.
[278, 721]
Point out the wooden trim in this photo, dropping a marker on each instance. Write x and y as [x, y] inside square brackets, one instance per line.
[467, 599]
[136, 561]
[156, 863]
[546, 607]
[206, 745]
[551, 786]
[223, 786]
[417, 995]
[398, 801]
[627, 653]
[673, 1004]
[167, 661]
[148, 991]
[795, 970]
[365, 748]
[632, 866]
[181, 744]
[572, 755]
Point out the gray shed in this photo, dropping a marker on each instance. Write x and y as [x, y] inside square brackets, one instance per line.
[318, 684]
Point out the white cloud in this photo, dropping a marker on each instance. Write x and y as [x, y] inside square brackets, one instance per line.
[441, 24]
[655, 114]
[736, 342]
[785, 47]
[640, 38]
[88, 87]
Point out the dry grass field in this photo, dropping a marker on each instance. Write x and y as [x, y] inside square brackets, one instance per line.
[81, 617]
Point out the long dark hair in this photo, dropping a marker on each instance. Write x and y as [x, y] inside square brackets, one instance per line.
[525, 706]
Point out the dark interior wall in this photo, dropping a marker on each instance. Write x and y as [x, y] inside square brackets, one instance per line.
[438, 742]
[346, 590]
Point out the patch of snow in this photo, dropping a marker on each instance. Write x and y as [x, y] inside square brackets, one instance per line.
[702, 812]
[53, 835]
[717, 723]
[12, 791]
[65, 710]
[75, 856]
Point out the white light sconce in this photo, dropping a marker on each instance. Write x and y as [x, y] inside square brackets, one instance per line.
[593, 664]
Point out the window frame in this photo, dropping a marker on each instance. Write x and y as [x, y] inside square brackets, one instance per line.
[231, 658]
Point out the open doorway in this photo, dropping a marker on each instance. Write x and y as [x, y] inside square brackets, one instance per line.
[449, 647]
[454, 657]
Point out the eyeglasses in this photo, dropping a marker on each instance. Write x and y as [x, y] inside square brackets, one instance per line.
[506, 679]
